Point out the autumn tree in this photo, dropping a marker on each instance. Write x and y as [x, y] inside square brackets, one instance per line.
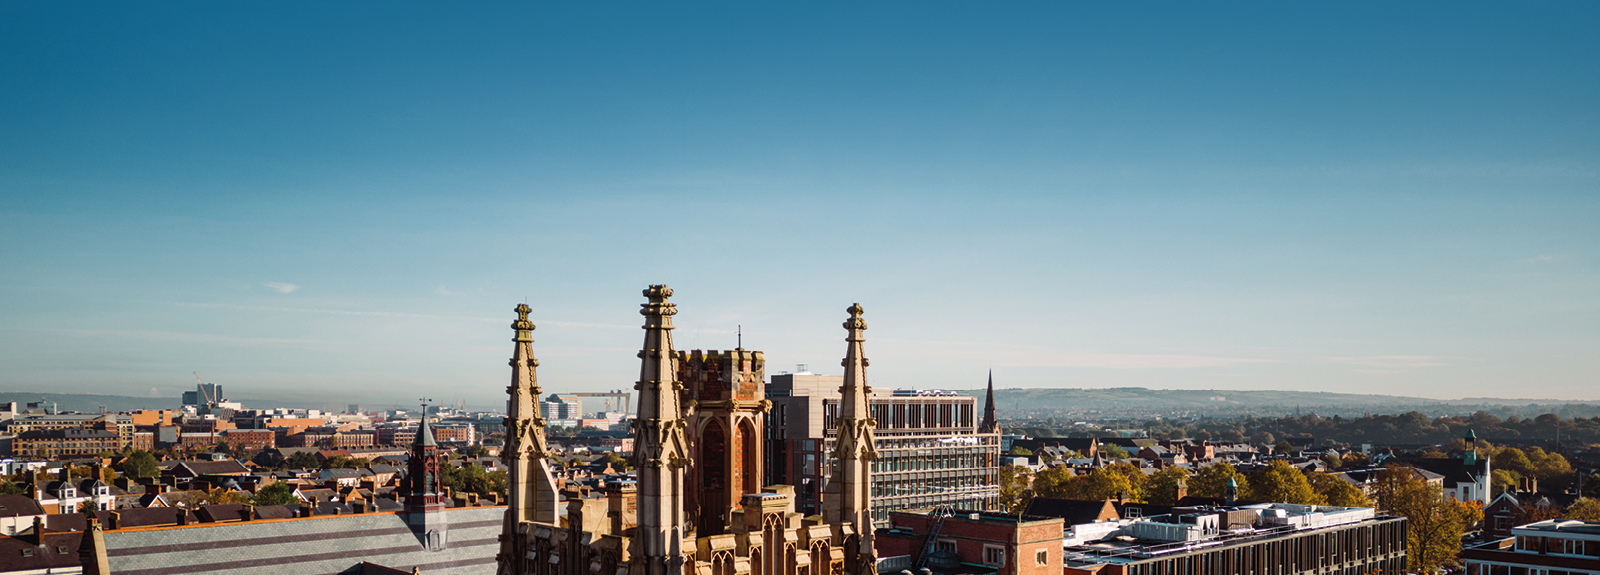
[1212, 480]
[1584, 509]
[1015, 488]
[1337, 492]
[1052, 482]
[1280, 482]
[1435, 524]
[1162, 487]
[221, 496]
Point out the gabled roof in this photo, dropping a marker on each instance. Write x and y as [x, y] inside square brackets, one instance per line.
[1074, 511]
[198, 468]
[19, 506]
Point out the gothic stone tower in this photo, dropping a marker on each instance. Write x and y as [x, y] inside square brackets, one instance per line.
[847, 499]
[725, 399]
[661, 446]
[531, 488]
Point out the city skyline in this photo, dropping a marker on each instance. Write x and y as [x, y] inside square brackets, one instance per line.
[1245, 197]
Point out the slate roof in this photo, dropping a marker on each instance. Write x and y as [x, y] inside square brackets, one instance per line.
[320, 545]
[19, 506]
[198, 468]
[1075, 512]
[58, 553]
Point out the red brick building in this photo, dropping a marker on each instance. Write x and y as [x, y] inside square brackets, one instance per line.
[1006, 543]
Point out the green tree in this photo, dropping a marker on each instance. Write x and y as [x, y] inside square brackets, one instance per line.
[303, 460]
[1162, 488]
[221, 496]
[1015, 488]
[139, 465]
[1020, 450]
[13, 488]
[279, 493]
[1338, 492]
[1282, 483]
[1512, 459]
[1212, 480]
[1547, 466]
[1114, 451]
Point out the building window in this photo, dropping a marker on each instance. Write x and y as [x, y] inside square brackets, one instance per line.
[945, 545]
[1042, 557]
[993, 555]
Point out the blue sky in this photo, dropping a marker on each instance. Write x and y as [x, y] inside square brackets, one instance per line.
[345, 202]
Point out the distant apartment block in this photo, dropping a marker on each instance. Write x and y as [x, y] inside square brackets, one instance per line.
[1552, 546]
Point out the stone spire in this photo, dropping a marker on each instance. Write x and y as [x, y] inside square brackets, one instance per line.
[989, 424]
[848, 498]
[530, 486]
[660, 444]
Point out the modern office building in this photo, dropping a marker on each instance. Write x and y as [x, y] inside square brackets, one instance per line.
[930, 451]
[1551, 546]
[1227, 540]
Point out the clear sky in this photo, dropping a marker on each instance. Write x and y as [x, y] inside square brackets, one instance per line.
[346, 201]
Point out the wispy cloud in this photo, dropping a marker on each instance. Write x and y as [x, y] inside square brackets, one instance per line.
[281, 287]
[444, 291]
[1391, 361]
[1545, 258]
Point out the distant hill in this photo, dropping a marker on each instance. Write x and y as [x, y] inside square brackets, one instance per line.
[91, 403]
[1227, 402]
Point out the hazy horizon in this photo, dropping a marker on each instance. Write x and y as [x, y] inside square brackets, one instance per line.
[351, 198]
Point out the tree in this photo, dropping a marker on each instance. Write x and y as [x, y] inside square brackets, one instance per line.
[1282, 446]
[14, 488]
[617, 461]
[1162, 489]
[1015, 488]
[1435, 523]
[1337, 492]
[1584, 509]
[1020, 450]
[1282, 483]
[1548, 466]
[1113, 451]
[139, 465]
[279, 493]
[303, 460]
[476, 451]
[1263, 438]
[221, 496]
[1212, 480]
[1052, 482]
[1512, 459]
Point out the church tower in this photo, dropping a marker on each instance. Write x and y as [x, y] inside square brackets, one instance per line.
[661, 450]
[989, 424]
[424, 495]
[530, 485]
[726, 408]
[848, 497]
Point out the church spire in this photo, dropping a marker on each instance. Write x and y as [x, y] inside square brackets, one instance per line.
[660, 448]
[848, 497]
[989, 425]
[530, 486]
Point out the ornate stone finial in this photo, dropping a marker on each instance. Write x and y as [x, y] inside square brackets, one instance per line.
[522, 325]
[855, 322]
[658, 306]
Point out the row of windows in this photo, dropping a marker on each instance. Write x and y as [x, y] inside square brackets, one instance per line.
[1354, 550]
[908, 415]
[1557, 545]
[1474, 568]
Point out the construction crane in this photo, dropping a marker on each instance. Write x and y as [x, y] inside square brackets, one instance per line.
[621, 397]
